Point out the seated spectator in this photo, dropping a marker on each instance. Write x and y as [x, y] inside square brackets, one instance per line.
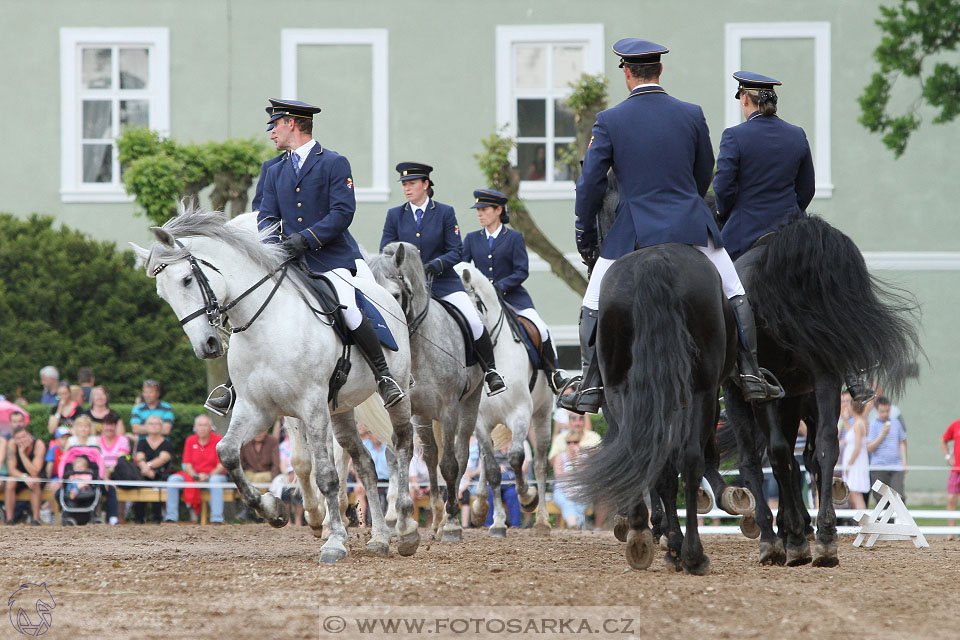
[151, 406]
[76, 394]
[200, 464]
[573, 513]
[86, 380]
[54, 452]
[50, 379]
[78, 479]
[113, 447]
[100, 407]
[378, 451]
[153, 455]
[65, 411]
[25, 457]
[81, 433]
[467, 482]
[260, 458]
[508, 488]
[583, 427]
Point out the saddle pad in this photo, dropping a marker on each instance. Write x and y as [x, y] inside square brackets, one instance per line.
[469, 355]
[527, 330]
[383, 331]
[327, 297]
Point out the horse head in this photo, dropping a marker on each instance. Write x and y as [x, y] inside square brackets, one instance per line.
[399, 270]
[482, 292]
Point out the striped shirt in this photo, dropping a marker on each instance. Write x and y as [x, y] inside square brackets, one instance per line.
[887, 454]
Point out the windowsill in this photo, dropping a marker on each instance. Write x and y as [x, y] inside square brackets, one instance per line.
[373, 194]
[78, 196]
[823, 191]
[547, 190]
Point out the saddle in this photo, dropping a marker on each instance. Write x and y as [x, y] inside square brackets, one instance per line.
[326, 297]
[525, 331]
[458, 317]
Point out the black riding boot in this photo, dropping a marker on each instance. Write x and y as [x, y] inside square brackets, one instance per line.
[483, 348]
[753, 380]
[588, 395]
[556, 377]
[859, 391]
[220, 405]
[365, 337]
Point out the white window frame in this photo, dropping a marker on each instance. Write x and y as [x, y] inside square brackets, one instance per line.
[819, 32]
[376, 39]
[157, 40]
[590, 35]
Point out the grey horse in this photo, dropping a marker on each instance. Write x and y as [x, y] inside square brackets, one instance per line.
[445, 393]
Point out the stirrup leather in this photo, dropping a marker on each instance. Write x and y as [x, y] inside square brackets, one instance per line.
[231, 395]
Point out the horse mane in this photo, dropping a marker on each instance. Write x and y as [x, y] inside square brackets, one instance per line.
[480, 284]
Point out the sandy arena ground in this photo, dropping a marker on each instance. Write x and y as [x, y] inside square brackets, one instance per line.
[250, 581]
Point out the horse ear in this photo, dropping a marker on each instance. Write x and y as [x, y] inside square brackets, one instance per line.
[465, 276]
[141, 253]
[398, 255]
[163, 236]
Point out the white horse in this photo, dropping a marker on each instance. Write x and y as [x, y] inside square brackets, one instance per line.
[518, 408]
[282, 355]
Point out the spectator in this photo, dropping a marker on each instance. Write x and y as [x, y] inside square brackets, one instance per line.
[100, 407]
[508, 488]
[201, 464]
[573, 513]
[82, 435]
[419, 475]
[113, 447]
[54, 452]
[20, 400]
[467, 484]
[855, 458]
[953, 484]
[50, 379]
[76, 394]
[583, 427]
[153, 456]
[65, 411]
[151, 406]
[86, 380]
[282, 482]
[25, 457]
[77, 487]
[887, 445]
[378, 451]
[260, 458]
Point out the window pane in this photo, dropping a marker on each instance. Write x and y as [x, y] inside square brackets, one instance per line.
[96, 68]
[563, 124]
[531, 118]
[567, 65]
[96, 118]
[133, 68]
[97, 163]
[531, 67]
[532, 161]
[561, 171]
[134, 113]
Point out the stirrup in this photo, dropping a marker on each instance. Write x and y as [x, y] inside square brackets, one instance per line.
[231, 397]
[493, 389]
[393, 396]
[765, 379]
[552, 381]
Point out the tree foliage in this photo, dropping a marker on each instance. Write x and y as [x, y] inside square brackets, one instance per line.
[914, 31]
[589, 97]
[159, 172]
[71, 301]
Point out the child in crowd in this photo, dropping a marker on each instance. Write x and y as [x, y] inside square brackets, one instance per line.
[76, 487]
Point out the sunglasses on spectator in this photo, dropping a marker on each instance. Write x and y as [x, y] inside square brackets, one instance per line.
[573, 442]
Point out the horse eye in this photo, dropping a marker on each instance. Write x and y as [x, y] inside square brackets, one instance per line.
[187, 280]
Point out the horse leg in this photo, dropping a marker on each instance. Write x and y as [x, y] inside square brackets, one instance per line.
[460, 430]
[666, 490]
[314, 507]
[325, 473]
[541, 433]
[407, 529]
[391, 515]
[345, 431]
[828, 448]
[479, 505]
[341, 459]
[702, 423]
[748, 438]
[248, 421]
[491, 472]
[640, 547]
[431, 459]
[526, 494]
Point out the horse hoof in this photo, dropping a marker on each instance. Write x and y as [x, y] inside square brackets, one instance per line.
[841, 492]
[700, 569]
[318, 532]
[407, 544]
[542, 528]
[498, 531]
[772, 554]
[531, 506]
[278, 522]
[737, 500]
[452, 535]
[664, 543]
[798, 556]
[639, 549]
[671, 562]
[332, 556]
[478, 512]
[825, 555]
[749, 527]
[378, 547]
[704, 501]
[620, 527]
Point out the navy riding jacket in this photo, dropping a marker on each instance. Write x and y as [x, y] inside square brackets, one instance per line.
[437, 239]
[505, 264]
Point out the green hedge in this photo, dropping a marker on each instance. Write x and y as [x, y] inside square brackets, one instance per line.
[183, 414]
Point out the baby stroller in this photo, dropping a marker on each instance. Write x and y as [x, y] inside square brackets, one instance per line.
[83, 508]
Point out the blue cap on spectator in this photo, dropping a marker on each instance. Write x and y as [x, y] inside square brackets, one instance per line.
[61, 431]
[281, 108]
[637, 51]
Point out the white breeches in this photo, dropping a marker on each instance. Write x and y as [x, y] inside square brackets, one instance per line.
[343, 282]
[534, 317]
[363, 271]
[462, 301]
[719, 257]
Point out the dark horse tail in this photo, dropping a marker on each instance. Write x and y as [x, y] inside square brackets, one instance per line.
[646, 385]
[812, 292]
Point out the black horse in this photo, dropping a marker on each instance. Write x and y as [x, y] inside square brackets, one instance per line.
[821, 316]
[663, 351]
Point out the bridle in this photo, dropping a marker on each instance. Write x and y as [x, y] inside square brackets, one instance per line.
[406, 297]
[215, 312]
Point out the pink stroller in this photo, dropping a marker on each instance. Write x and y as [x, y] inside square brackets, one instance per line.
[83, 508]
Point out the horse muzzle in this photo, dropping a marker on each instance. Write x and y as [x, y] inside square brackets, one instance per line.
[211, 348]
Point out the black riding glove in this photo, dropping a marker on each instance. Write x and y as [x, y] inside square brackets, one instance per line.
[430, 270]
[590, 254]
[295, 245]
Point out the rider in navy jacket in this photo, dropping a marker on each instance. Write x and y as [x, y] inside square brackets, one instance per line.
[764, 170]
[659, 148]
[432, 228]
[501, 255]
